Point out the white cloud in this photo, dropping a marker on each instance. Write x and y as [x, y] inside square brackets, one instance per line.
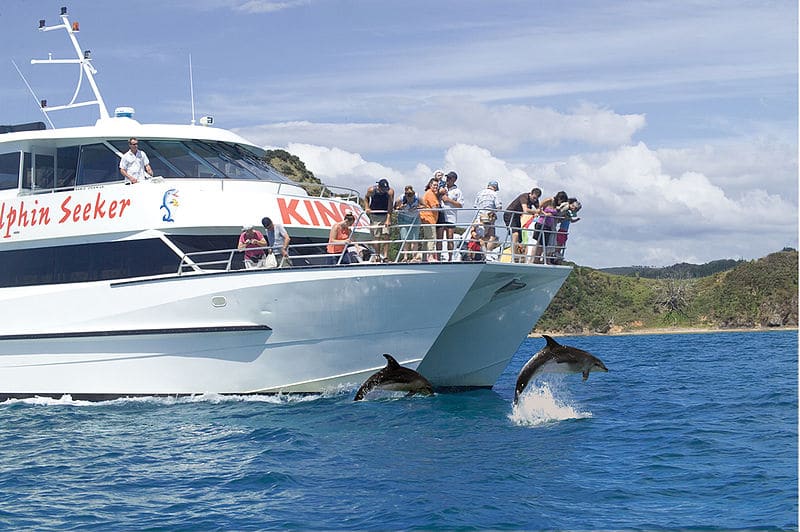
[246, 6]
[768, 162]
[440, 124]
[342, 168]
[638, 211]
[267, 6]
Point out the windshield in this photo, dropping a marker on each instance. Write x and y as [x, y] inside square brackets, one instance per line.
[203, 158]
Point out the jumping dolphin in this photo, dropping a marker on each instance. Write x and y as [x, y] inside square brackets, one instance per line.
[557, 358]
[396, 378]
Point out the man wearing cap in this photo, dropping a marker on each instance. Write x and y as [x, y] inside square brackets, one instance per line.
[278, 239]
[253, 243]
[488, 201]
[451, 200]
[379, 201]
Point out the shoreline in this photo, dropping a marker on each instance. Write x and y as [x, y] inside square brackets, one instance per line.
[663, 330]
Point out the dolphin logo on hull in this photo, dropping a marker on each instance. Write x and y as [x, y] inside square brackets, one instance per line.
[557, 358]
[396, 378]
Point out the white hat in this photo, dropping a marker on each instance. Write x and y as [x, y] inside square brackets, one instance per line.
[247, 227]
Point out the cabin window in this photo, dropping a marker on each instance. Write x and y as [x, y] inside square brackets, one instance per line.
[44, 171]
[9, 170]
[98, 164]
[27, 171]
[87, 262]
[229, 166]
[66, 164]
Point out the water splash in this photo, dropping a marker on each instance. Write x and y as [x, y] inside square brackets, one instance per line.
[538, 405]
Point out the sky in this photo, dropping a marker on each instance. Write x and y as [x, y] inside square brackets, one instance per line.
[675, 123]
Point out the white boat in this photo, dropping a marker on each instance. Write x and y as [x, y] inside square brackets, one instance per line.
[106, 289]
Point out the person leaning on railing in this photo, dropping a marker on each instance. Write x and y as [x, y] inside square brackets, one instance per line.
[278, 239]
[544, 232]
[565, 218]
[525, 203]
[252, 242]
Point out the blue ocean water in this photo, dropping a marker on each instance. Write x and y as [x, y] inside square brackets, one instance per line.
[685, 431]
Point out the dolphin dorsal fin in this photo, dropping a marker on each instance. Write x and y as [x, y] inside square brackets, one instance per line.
[390, 361]
[550, 341]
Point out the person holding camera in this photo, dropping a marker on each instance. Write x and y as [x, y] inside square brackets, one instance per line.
[252, 242]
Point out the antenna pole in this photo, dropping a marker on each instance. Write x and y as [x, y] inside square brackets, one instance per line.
[83, 60]
[191, 86]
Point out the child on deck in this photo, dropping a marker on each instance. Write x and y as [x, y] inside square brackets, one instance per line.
[568, 215]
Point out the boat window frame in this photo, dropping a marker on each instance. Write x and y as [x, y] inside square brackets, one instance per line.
[212, 146]
[79, 172]
[42, 153]
[4, 183]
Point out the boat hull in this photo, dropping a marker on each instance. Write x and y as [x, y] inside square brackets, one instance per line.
[297, 330]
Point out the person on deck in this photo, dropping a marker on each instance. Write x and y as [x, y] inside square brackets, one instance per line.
[252, 242]
[525, 203]
[134, 164]
[451, 201]
[379, 202]
[340, 238]
[278, 239]
[429, 215]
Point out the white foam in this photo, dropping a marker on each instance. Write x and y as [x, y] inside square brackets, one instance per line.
[212, 398]
[538, 405]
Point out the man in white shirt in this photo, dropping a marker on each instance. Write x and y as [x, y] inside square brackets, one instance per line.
[134, 165]
[488, 201]
[451, 200]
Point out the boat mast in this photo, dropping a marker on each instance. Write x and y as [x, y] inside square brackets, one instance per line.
[83, 59]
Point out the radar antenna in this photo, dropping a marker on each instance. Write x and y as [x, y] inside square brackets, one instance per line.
[191, 87]
[84, 59]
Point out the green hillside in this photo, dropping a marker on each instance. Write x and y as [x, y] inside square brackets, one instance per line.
[683, 269]
[758, 293]
[291, 166]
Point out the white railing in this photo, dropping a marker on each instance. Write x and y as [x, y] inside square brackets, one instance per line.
[477, 236]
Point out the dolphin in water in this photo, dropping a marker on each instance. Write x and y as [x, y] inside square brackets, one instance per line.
[557, 358]
[397, 378]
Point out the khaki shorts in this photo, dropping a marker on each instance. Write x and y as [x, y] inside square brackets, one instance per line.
[379, 229]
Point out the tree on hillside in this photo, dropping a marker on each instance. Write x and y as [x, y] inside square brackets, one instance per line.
[673, 296]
